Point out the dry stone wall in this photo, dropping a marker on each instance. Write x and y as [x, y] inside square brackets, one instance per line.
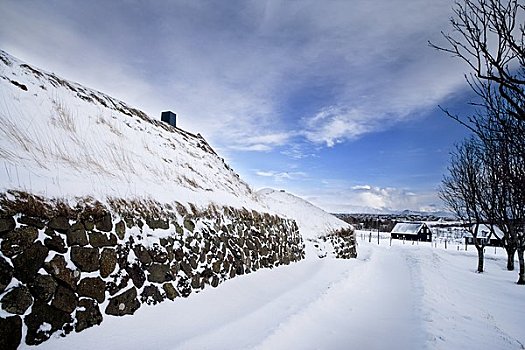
[343, 243]
[64, 269]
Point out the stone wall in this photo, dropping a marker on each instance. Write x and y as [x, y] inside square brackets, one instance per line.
[343, 242]
[64, 268]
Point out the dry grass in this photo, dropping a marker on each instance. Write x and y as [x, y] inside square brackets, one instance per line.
[112, 126]
[12, 132]
[342, 232]
[62, 116]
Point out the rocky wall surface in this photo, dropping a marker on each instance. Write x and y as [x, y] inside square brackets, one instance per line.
[65, 269]
[343, 242]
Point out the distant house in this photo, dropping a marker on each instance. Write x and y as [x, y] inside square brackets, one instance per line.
[485, 237]
[412, 231]
[169, 117]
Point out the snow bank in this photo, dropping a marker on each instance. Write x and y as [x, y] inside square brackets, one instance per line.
[313, 222]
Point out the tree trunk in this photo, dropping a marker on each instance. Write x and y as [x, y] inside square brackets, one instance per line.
[480, 258]
[521, 279]
[510, 257]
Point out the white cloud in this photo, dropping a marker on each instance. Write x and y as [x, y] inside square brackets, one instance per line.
[263, 142]
[279, 176]
[361, 187]
[334, 125]
[339, 196]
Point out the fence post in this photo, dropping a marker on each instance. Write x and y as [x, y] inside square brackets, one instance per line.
[445, 243]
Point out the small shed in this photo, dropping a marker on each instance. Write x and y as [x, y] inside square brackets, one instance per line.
[485, 237]
[412, 231]
[169, 117]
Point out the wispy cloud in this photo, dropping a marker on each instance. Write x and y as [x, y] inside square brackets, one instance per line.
[281, 176]
[334, 125]
[264, 142]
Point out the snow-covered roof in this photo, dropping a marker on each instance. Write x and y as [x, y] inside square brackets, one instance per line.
[484, 231]
[407, 228]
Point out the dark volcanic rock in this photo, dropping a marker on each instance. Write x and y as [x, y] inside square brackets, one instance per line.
[10, 332]
[120, 229]
[64, 299]
[196, 282]
[88, 316]
[89, 224]
[56, 243]
[57, 267]
[77, 235]
[108, 261]
[179, 254]
[151, 295]
[157, 223]
[7, 224]
[183, 286]
[42, 313]
[186, 268]
[123, 304]
[189, 225]
[43, 287]
[93, 287]
[101, 239]
[159, 273]
[59, 223]
[142, 254]
[85, 258]
[158, 254]
[104, 224]
[18, 240]
[35, 222]
[171, 292]
[17, 300]
[6, 274]
[214, 281]
[27, 264]
[137, 275]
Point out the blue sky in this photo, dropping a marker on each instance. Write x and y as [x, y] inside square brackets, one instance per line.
[336, 101]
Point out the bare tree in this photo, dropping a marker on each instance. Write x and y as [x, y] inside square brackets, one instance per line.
[489, 35]
[461, 190]
[490, 38]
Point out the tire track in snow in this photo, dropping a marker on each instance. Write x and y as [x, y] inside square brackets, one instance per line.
[257, 319]
[357, 305]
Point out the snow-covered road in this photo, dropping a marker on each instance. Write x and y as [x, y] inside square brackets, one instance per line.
[403, 297]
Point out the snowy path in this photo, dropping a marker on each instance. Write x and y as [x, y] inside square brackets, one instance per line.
[403, 297]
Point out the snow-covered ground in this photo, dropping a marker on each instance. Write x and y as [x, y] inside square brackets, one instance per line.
[400, 296]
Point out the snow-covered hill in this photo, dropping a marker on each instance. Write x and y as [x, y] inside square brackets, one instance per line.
[61, 139]
[312, 221]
